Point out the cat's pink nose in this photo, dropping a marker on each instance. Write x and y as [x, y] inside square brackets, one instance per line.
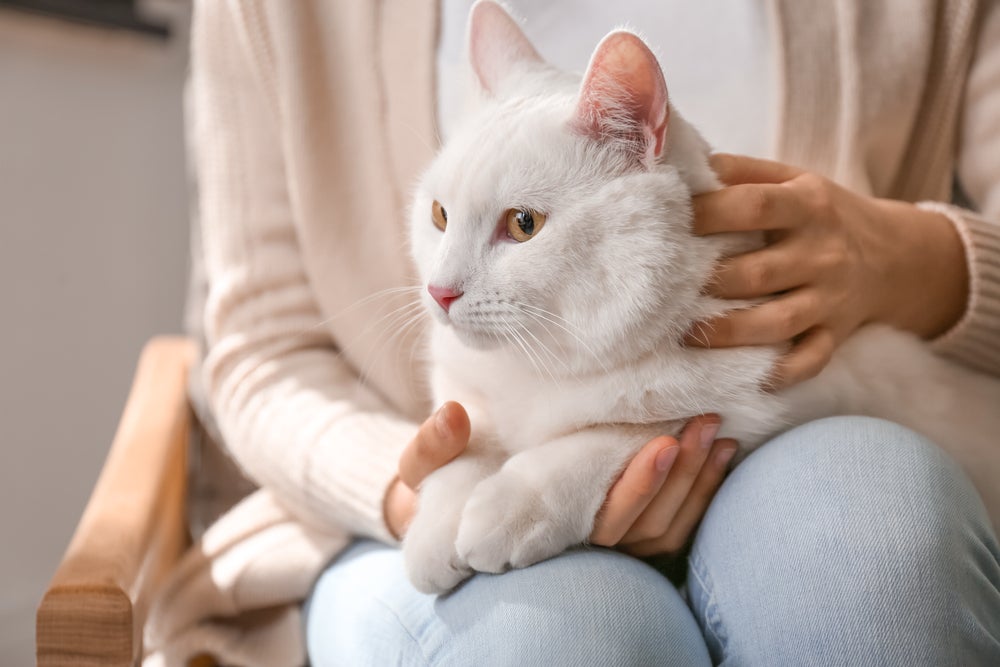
[443, 295]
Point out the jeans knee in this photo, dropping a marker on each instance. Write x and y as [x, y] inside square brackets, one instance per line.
[872, 469]
[871, 520]
[587, 606]
[865, 481]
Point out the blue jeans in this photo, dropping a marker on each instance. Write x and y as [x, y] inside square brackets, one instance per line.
[846, 541]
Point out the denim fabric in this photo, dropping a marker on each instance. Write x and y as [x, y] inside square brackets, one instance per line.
[587, 607]
[846, 541]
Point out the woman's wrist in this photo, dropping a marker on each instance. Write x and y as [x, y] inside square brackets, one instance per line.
[926, 285]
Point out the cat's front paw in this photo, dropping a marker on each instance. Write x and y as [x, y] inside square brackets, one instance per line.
[432, 565]
[436, 576]
[508, 524]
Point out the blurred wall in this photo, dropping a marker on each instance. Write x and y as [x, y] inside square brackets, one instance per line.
[93, 259]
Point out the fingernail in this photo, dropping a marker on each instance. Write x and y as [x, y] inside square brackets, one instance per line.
[724, 456]
[666, 458]
[708, 433]
[441, 424]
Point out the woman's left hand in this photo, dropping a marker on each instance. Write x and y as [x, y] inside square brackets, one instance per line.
[833, 260]
[656, 504]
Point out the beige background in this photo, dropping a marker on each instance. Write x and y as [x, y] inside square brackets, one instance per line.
[93, 257]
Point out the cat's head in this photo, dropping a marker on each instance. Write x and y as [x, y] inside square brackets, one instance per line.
[555, 222]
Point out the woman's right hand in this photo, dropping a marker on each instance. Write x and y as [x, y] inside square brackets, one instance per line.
[440, 439]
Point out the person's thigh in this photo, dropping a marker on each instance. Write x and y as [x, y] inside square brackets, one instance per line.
[848, 541]
[586, 607]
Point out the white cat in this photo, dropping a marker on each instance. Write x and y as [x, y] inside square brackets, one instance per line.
[553, 234]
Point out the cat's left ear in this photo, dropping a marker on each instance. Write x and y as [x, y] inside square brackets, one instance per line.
[497, 46]
[624, 97]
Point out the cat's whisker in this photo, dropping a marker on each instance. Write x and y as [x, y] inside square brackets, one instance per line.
[347, 349]
[540, 359]
[390, 316]
[390, 330]
[404, 330]
[416, 346]
[548, 332]
[703, 332]
[535, 317]
[385, 337]
[384, 293]
[400, 322]
[512, 338]
[519, 341]
[542, 346]
[541, 312]
[547, 364]
[416, 133]
[393, 326]
[545, 348]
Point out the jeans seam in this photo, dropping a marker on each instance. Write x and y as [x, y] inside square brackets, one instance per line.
[406, 629]
[710, 613]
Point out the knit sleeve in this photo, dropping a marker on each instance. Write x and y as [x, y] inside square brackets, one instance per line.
[975, 339]
[292, 412]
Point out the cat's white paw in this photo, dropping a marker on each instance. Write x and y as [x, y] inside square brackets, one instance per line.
[436, 575]
[508, 524]
[432, 564]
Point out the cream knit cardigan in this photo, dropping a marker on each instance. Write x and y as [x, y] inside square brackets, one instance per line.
[311, 120]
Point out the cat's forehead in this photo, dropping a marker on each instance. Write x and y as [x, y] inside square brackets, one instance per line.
[521, 148]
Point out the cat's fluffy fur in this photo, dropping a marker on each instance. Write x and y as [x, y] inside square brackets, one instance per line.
[565, 349]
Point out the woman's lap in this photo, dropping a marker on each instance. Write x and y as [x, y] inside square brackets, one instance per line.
[847, 540]
[586, 607]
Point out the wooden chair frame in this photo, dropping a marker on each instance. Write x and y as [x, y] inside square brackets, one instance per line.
[133, 529]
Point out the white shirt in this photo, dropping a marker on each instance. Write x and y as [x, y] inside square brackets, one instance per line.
[716, 57]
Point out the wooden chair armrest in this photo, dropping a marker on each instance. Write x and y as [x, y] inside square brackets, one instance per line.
[133, 529]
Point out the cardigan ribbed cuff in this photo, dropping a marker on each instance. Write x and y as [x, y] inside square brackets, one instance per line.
[357, 461]
[975, 338]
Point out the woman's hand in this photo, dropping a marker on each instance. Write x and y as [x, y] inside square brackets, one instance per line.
[659, 500]
[652, 508]
[440, 439]
[834, 260]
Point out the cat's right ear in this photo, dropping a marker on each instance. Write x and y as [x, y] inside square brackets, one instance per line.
[497, 46]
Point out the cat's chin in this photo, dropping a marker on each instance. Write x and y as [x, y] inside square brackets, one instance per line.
[477, 340]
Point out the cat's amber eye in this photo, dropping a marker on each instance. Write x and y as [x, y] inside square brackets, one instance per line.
[439, 215]
[523, 223]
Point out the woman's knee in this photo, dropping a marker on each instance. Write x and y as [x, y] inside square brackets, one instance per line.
[588, 606]
[868, 468]
[858, 483]
[584, 607]
[854, 525]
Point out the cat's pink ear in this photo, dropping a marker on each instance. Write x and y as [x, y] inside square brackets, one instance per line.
[624, 97]
[496, 45]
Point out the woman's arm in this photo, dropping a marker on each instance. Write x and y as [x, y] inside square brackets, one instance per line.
[975, 339]
[294, 415]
